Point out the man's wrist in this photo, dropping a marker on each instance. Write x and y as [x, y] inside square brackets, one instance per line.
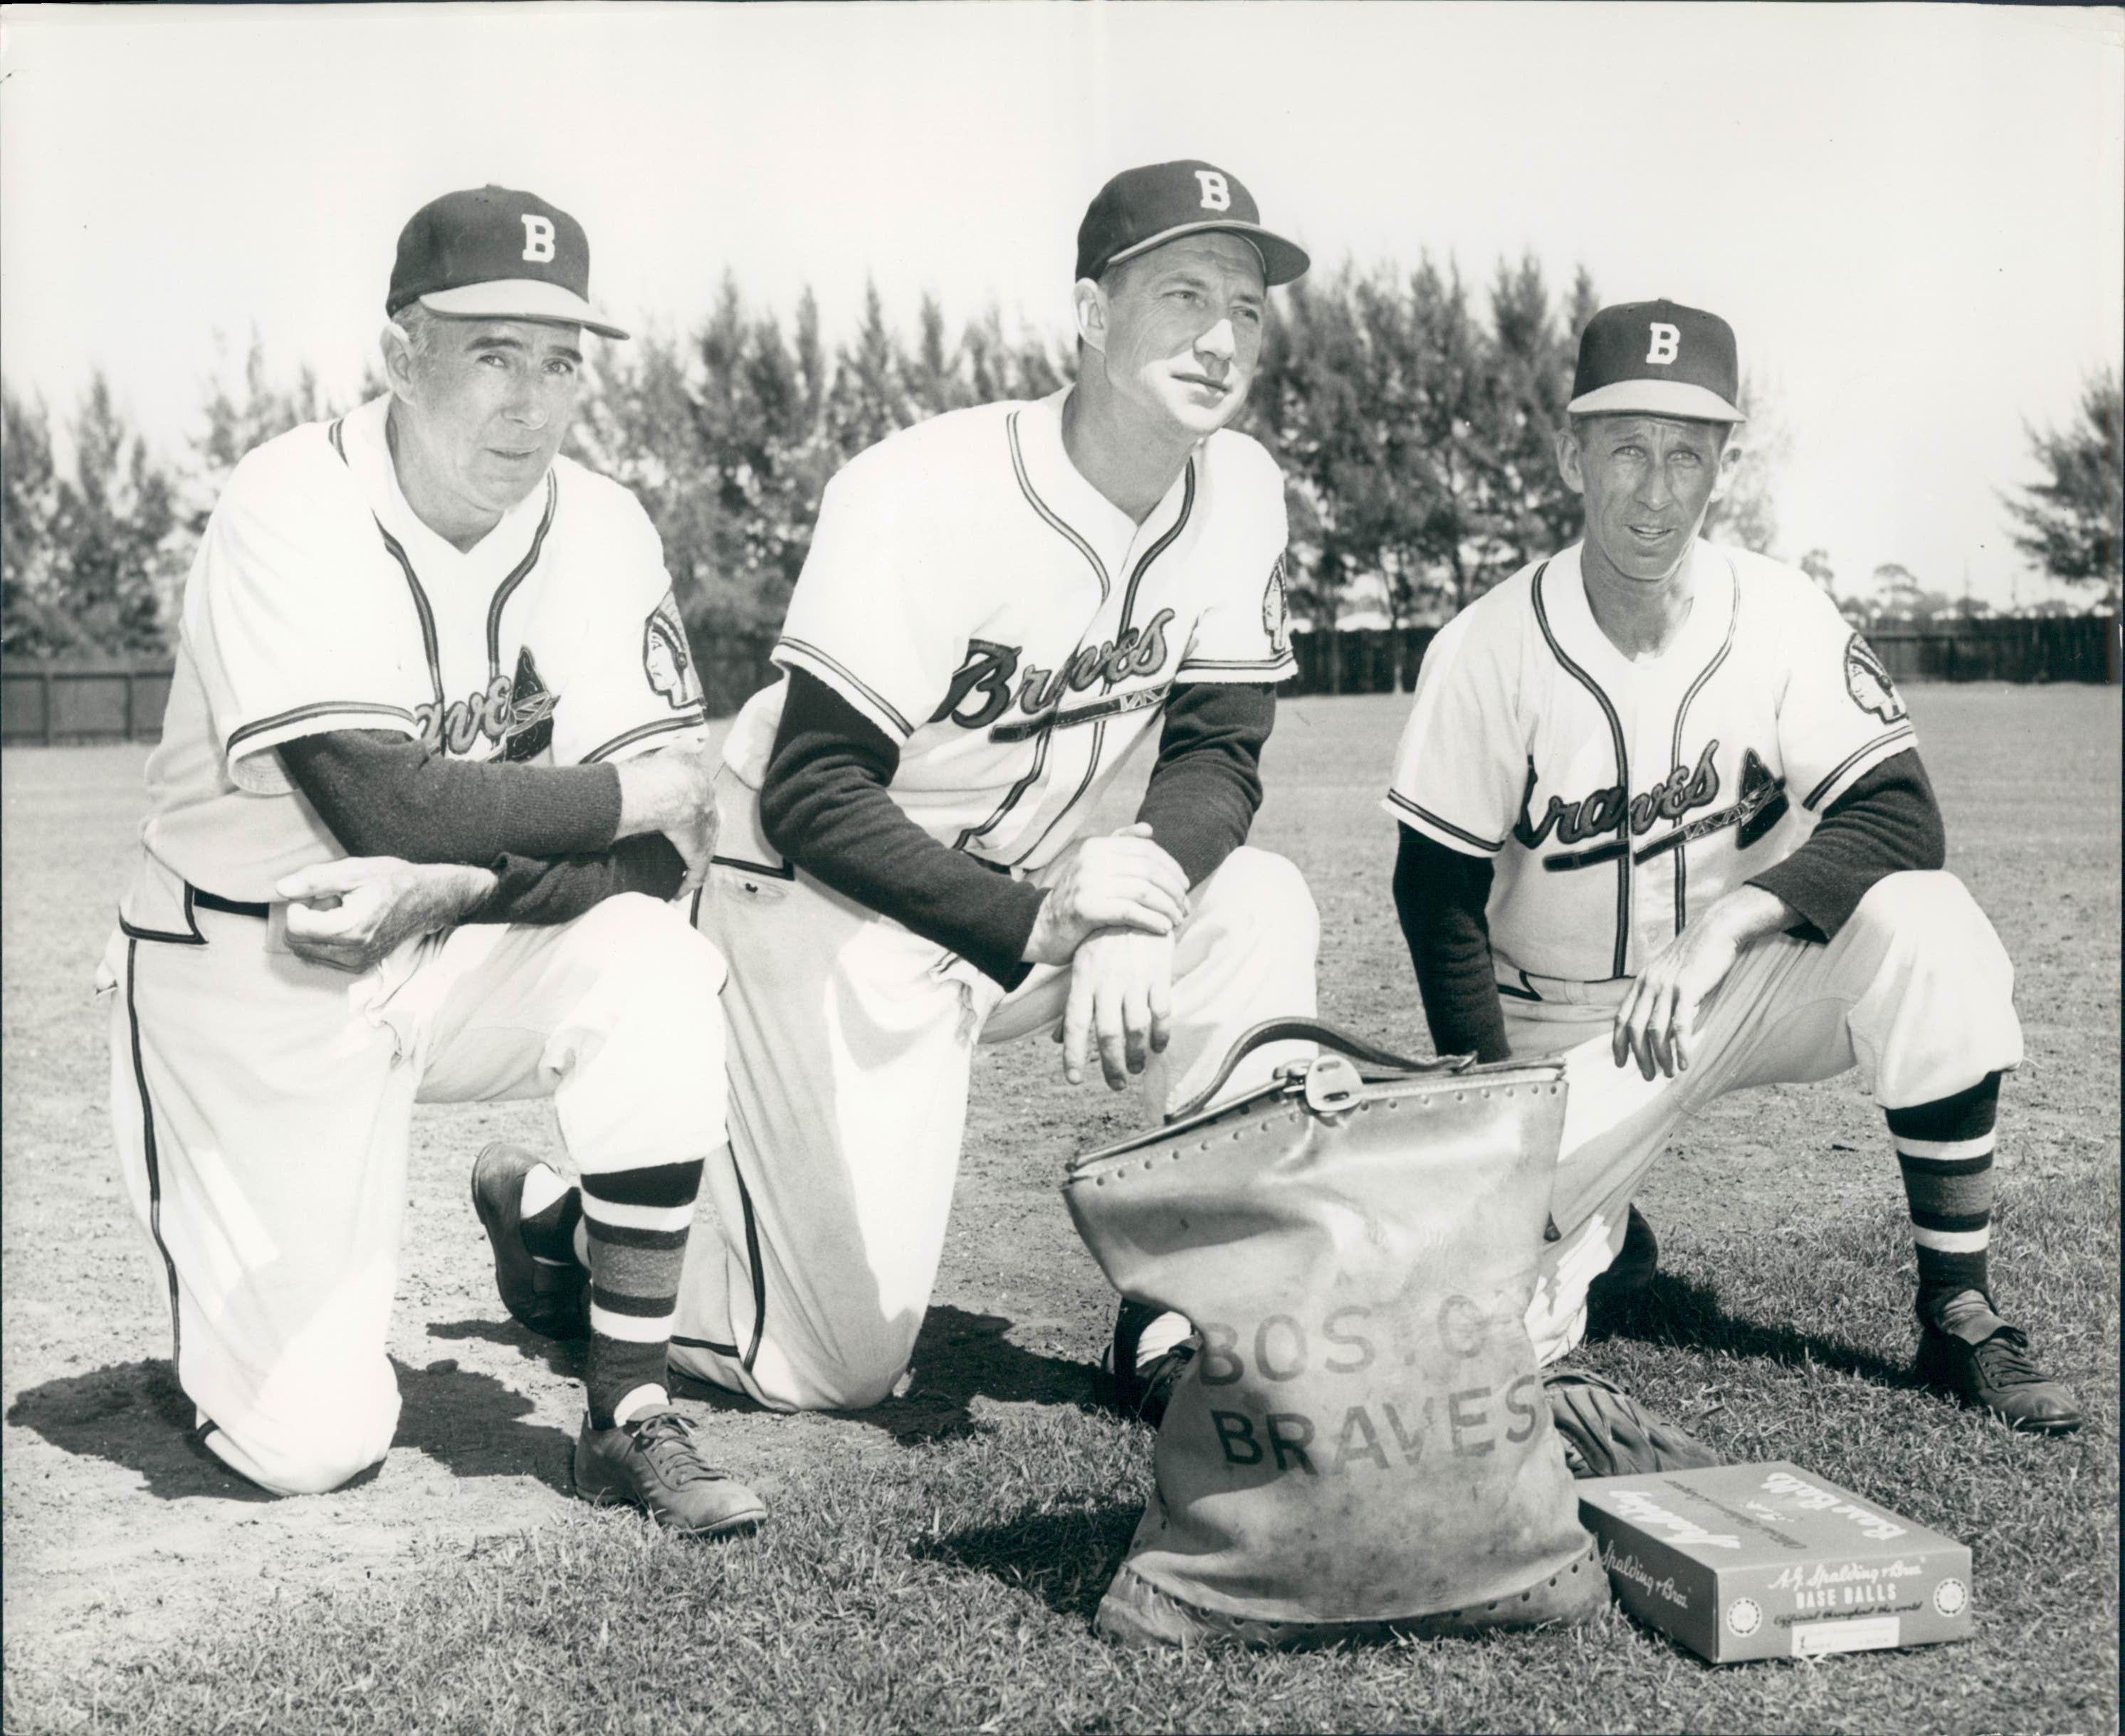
[463, 893]
[1037, 938]
[644, 796]
[1749, 913]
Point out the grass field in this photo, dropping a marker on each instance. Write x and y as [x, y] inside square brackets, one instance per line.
[933, 1564]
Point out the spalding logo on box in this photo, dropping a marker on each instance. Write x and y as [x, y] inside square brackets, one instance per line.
[1746, 1561]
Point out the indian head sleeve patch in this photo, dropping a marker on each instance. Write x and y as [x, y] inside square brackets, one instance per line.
[1867, 682]
[1276, 610]
[665, 660]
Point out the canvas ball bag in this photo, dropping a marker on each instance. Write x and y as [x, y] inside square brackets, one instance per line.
[1362, 1446]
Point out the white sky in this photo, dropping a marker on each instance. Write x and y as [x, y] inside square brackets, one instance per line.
[1914, 215]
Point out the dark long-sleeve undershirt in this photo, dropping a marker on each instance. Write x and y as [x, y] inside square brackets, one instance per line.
[1887, 823]
[544, 892]
[545, 831]
[1440, 895]
[385, 795]
[824, 805]
[1203, 791]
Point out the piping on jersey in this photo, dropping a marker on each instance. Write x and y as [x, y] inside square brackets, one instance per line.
[758, 1275]
[427, 615]
[151, 1155]
[1674, 754]
[521, 572]
[1623, 772]
[1053, 518]
[322, 709]
[1902, 731]
[1158, 548]
[1488, 846]
[628, 737]
[807, 649]
[1164, 542]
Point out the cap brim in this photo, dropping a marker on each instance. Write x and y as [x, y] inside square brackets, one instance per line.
[1657, 397]
[520, 297]
[1281, 261]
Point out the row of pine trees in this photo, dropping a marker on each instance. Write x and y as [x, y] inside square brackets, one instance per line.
[1412, 415]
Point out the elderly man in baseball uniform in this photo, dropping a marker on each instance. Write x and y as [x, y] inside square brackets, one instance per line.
[1662, 811]
[997, 606]
[413, 636]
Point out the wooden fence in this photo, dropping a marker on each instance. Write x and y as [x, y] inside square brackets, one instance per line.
[117, 699]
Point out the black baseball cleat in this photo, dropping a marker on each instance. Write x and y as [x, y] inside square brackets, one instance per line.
[649, 1461]
[550, 1299]
[1138, 1381]
[1996, 1373]
[1631, 1272]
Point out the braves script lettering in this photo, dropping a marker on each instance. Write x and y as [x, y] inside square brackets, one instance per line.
[1684, 788]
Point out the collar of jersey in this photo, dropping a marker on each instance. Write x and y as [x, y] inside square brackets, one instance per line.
[1062, 489]
[369, 457]
[1712, 588]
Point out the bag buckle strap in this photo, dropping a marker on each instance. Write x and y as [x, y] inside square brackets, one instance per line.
[1332, 1086]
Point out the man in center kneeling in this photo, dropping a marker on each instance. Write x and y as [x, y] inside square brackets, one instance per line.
[997, 604]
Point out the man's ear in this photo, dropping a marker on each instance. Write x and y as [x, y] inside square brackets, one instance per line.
[397, 348]
[1730, 461]
[1089, 301]
[1568, 459]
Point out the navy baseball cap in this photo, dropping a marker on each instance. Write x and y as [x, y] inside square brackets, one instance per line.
[1146, 208]
[490, 253]
[1658, 358]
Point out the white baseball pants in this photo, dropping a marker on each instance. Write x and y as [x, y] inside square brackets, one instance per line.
[850, 1042]
[262, 1104]
[1915, 992]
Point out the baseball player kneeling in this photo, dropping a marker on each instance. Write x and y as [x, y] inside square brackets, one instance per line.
[418, 636]
[997, 604]
[1663, 812]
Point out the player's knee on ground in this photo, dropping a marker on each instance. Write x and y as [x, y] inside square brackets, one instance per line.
[642, 1065]
[1269, 896]
[848, 1375]
[312, 1457]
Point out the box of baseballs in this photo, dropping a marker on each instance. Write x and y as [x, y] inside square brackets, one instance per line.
[1746, 1561]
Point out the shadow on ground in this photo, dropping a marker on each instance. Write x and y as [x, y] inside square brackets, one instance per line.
[134, 1415]
[959, 1358]
[1066, 1559]
[561, 1356]
[1686, 1315]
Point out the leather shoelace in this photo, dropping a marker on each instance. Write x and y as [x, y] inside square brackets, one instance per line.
[668, 1443]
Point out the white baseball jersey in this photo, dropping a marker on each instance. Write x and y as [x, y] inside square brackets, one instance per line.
[319, 600]
[1620, 797]
[1013, 631]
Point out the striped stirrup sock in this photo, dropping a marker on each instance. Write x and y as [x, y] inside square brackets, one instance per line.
[1945, 1151]
[635, 1223]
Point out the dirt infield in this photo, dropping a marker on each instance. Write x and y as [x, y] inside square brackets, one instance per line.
[123, 1541]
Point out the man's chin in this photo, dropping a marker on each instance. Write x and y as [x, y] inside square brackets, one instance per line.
[1202, 417]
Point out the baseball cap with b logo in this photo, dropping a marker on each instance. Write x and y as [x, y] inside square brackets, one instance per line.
[490, 253]
[1146, 208]
[1657, 358]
